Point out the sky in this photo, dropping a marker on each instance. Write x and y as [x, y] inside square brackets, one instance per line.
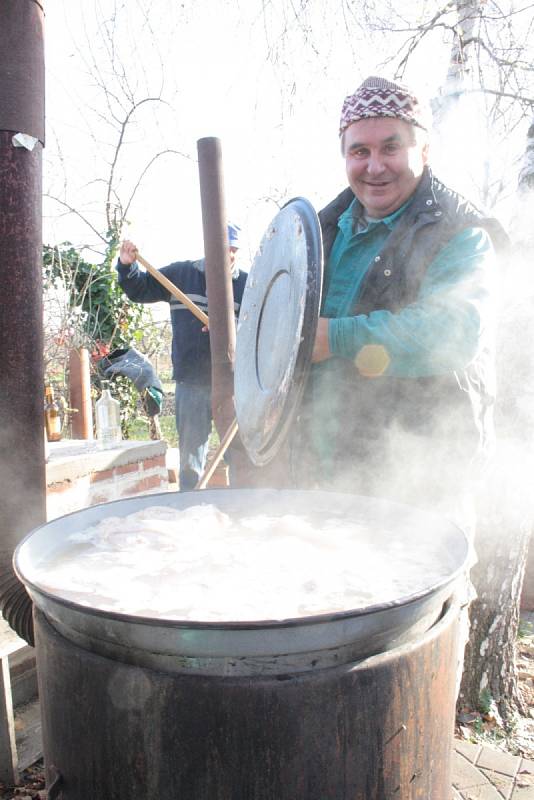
[266, 78]
[266, 81]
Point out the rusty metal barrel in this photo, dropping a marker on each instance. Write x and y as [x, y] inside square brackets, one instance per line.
[357, 704]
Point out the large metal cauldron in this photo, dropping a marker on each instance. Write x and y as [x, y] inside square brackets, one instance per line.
[358, 704]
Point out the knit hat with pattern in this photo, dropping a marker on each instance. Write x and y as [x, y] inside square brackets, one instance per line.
[378, 97]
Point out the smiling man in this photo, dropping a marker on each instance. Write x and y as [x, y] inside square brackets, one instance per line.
[385, 160]
[400, 397]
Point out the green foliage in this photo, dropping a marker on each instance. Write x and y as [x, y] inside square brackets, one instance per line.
[485, 701]
[524, 629]
[105, 315]
[478, 727]
[139, 429]
[98, 316]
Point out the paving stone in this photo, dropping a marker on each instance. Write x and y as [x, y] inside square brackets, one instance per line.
[524, 779]
[497, 761]
[469, 750]
[523, 792]
[484, 792]
[470, 782]
[526, 766]
[464, 774]
[524, 782]
[503, 783]
[484, 773]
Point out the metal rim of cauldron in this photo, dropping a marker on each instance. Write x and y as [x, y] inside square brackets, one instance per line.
[289, 622]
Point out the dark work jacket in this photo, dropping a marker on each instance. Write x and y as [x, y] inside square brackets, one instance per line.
[457, 407]
[191, 356]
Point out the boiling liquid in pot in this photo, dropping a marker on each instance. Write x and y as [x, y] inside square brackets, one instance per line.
[199, 564]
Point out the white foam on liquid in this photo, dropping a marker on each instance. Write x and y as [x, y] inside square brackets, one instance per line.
[199, 564]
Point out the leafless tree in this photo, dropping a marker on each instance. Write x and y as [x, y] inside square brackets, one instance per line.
[123, 115]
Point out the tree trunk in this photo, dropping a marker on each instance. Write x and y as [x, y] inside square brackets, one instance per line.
[503, 531]
[505, 507]
[468, 12]
[522, 220]
[526, 174]
[506, 503]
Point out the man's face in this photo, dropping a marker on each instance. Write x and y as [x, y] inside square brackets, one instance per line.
[384, 159]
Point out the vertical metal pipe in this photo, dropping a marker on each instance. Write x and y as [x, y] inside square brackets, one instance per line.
[80, 393]
[218, 281]
[22, 466]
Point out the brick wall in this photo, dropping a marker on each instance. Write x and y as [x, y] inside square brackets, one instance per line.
[79, 475]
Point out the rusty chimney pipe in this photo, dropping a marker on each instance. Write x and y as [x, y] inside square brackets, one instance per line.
[22, 466]
[218, 282]
[80, 393]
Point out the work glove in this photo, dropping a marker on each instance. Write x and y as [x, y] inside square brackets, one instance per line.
[132, 364]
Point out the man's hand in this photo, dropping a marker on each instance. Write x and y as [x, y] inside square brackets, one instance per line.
[128, 253]
[321, 350]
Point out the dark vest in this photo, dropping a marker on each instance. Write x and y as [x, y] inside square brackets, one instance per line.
[457, 407]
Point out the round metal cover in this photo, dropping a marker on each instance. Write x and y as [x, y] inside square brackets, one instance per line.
[276, 328]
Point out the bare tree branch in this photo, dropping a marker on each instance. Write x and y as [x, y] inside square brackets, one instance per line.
[78, 214]
[123, 128]
[144, 172]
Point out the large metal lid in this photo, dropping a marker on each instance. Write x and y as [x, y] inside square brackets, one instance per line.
[276, 329]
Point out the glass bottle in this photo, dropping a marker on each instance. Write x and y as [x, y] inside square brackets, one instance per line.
[52, 416]
[108, 420]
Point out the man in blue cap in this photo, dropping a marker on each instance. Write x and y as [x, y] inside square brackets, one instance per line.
[191, 357]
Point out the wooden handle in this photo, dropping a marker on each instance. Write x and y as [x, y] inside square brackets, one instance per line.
[174, 290]
[221, 450]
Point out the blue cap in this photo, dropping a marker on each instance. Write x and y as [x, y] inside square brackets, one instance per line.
[234, 235]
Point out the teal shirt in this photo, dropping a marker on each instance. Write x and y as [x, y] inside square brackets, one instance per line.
[439, 333]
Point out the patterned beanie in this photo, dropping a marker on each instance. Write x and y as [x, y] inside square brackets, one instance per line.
[378, 97]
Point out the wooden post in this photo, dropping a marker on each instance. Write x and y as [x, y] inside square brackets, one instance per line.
[9, 763]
